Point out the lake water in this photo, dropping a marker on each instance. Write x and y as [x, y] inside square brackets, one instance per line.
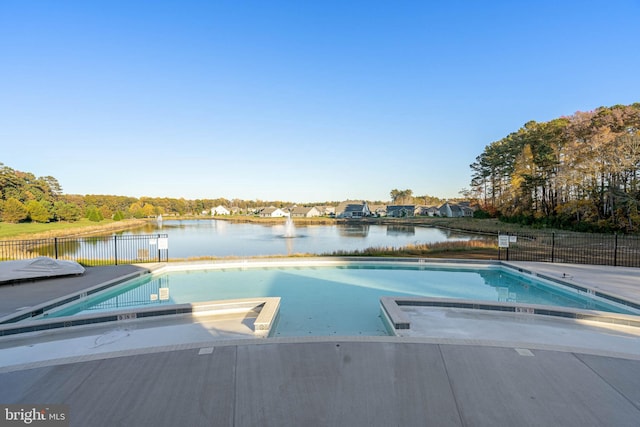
[219, 238]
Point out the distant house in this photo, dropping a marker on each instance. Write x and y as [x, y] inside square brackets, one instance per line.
[467, 209]
[400, 211]
[304, 212]
[423, 210]
[378, 210]
[220, 210]
[353, 209]
[326, 210]
[455, 210]
[273, 212]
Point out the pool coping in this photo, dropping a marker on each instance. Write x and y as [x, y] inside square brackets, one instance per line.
[266, 309]
[393, 317]
[39, 309]
[397, 320]
[581, 288]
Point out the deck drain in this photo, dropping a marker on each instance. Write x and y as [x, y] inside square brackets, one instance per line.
[524, 352]
[205, 350]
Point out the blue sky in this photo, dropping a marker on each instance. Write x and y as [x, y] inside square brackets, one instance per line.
[303, 101]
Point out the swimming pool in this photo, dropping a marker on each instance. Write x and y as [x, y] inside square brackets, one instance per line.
[319, 299]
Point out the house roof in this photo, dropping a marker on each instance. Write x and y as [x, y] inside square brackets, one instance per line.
[397, 207]
[343, 206]
[374, 208]
[302, 210]
[455, 207]
[354, 208]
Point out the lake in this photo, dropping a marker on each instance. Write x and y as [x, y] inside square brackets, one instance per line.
[220, 238]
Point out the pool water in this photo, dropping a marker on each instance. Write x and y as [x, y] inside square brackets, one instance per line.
[336, 300]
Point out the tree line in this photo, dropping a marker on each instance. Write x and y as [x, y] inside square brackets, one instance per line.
[27, 198]
[581, 172]
[406, 197]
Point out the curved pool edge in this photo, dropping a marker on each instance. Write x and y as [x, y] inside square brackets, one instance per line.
[206, 347]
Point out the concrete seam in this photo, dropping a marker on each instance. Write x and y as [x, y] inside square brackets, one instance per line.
[235, 387]
[577, 356]
[453, 392]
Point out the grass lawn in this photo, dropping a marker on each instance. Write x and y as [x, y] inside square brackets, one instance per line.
[479, 249]
[33, 230]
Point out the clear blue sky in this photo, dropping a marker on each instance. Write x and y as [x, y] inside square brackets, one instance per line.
[295, 100]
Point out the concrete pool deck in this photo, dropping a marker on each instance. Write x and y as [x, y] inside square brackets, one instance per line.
[458, 367]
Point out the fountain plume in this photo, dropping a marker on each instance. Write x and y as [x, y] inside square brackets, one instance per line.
[289, 228]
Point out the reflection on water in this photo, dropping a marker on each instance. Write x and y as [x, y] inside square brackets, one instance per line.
[152, 292]
[289, 243]
[511, 287]
[396, 230]
[218, 238]
[353, 230]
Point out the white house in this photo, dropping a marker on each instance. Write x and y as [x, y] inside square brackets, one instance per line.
[327, 210]
[304, 212]
[273, 212]
[220, 210]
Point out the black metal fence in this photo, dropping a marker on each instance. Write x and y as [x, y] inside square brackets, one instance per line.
[573, 248]
[91, 251]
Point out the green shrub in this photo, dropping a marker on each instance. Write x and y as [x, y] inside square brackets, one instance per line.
[14, 211]
[37, 211]
[93, 214]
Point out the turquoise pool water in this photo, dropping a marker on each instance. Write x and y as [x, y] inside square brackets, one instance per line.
[337, 300]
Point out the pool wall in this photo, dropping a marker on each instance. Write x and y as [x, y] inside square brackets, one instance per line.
[265, 310]
[40, 309]
[397, 320]
[583, 290]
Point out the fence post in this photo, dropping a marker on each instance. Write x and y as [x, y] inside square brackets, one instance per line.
[553, 246]
[55, 246]
[158, 244]
[615, 250]
[115, 248]
[508, 234]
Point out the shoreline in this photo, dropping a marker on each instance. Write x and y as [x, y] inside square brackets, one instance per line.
[82, 231]
[488, 227]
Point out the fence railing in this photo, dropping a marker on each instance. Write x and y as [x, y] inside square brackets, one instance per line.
[572, 248]
[91, 251]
